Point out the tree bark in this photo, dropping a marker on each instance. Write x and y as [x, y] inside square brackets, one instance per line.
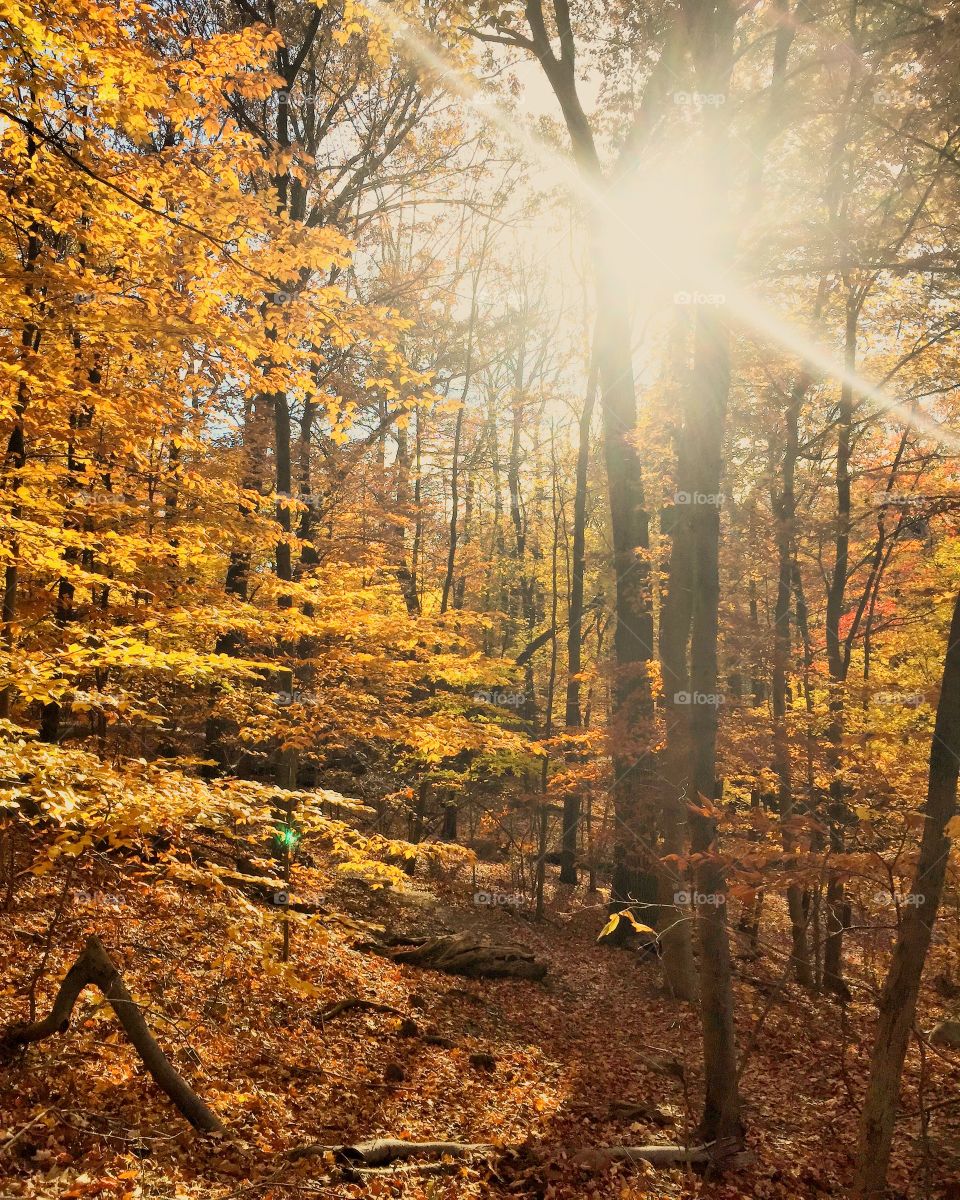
[712, 25]
[721, 1114]
[836, 593]
[457, 442]
[632, 706]
[675, 620]
[15, 459]
[898, 1001]
[784, 508]
[94, 965]
[573, 717]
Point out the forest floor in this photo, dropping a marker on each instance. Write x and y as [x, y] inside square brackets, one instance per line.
[79, 1117]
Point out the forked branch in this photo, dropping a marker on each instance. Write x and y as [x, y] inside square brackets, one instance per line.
[94, 965]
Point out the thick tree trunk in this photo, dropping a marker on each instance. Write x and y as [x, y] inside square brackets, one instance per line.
[836, 593]
[711, 26]
[898, 1001]
[675, 621]
[573, 717]
[721, 1114]
[632, 704]
[784, 507]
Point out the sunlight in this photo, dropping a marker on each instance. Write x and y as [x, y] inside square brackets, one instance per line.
[650, 224]
[653, 236]
[461, 623]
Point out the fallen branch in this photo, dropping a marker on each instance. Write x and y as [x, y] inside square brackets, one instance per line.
[598, 1158]
[360, 1174]
[382, 1152]
[626, 1110]
[94, 965]
[353, 1002]
[464, 954]
[23, 1129]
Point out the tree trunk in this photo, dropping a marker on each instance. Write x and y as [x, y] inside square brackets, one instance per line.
[898, 1001]
[784, 507]
[721, 1114]
[675, 619]
[573, 717]
[16, 455]
[631, 699]
[837, 811]
[712, 27]
[455, 464]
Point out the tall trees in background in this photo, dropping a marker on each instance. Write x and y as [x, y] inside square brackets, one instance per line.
[547, 33]
[295, 388]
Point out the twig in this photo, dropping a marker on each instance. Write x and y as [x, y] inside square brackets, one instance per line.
[20, 1132]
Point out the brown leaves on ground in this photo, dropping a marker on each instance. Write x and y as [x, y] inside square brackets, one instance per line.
[596, 1056]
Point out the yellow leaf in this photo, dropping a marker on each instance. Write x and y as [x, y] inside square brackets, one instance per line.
[609, 927]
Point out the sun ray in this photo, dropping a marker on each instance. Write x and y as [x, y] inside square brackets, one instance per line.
[687, 267]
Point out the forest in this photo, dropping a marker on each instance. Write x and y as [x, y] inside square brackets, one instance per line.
[479, 599]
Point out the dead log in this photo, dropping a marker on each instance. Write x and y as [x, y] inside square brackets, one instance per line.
[465, 954]
[94, 965]
[625, 1110]
[599, 1158]
[382, 1152]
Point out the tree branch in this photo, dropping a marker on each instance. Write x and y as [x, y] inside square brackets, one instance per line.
[94, 965]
